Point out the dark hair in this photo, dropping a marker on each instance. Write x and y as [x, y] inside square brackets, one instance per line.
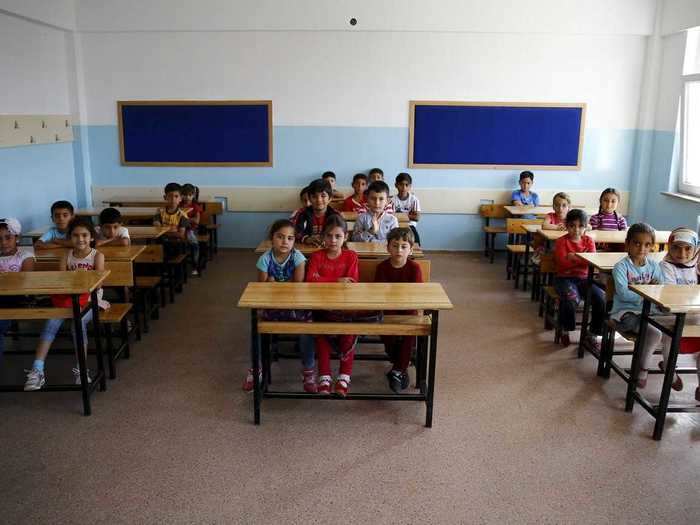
[334, 221]
[304, 191]
[278, 225]
[320, 186]
[376, 170]
[62, 205]
[576, 215]
[359, 176]
[401, 234]
[607, 191]
[83, 222]
[526, 175]
[172, 186]
[404, 177]
[110, 216]
[640, 228]
[327, 174]
[378, 186]
[187, 189]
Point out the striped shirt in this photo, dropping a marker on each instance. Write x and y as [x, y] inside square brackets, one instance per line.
[608, 221]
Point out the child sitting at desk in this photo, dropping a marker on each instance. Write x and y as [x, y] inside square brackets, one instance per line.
[523, 196]
[376, 222]
[330, 265]
[193, 211]
[12, 259]
[329, 177]
[81, 257]
[357, 202]
[310, 223]
[556, 220]
[111, 232]
[173, 217]
[636, 268]
[398, 268]
[571, 281]
[607, 217]
[680, 266]
[305, 203]
[405, 201]
[57, 236]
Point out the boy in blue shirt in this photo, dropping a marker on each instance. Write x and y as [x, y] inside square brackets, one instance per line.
[57, 236]
[523, 196]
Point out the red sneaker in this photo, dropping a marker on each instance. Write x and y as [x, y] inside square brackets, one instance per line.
[309, 380]
[248, 381]
[324, 385]
[342, 385]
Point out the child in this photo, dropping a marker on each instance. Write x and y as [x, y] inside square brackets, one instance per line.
[571, 280]
[111, 232]
[330, 265]
[309, 224]
[81, 257]
[636, 268]
[680, 267]
[398, 268]
[12, 259]
[556, 220]
[173, 217]
[607, 217]
[523, 196]
[284, 263]
[377, 222]
[193, 211]
[375, 174]
[305, 203]
[357, 202]
[57, 236]
[329, 177]
[406, 202]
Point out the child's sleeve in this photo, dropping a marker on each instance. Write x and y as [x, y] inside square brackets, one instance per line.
[535, 199]
[48, 236]
[418, 273]
[361, 233]
[353, 270]
[560, 254]
[298, 258]
[621, 223]
[657, 276]
[313, 274]
[379, 276]
[300, 227]
[622, 291]
[262, 263]
[156, 218]
[515, 196]
[594, 221]
[669, 276]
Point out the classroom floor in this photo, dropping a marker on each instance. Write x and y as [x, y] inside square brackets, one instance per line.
[523, 430]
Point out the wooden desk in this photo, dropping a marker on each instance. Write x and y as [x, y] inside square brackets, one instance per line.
[136, 233]
[430, 297]
[212, 207]
[111, 253]
[364, 250]
[68, 283]
[598, 236]
[677, 300]
[517, 211]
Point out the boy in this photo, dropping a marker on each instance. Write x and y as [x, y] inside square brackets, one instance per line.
[375, 174]
[310, 222]
[57, 236]
[406, 202]
[377, 222]
[305, 203]
[329, 177]
[523, 196]
[111, 232]
[173, 217]
[193, 211]
[357, 201]
[398, 268]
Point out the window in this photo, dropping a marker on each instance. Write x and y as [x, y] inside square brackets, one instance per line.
[690, 135]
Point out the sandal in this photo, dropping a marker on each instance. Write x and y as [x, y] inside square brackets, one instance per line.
[342, 385]
[324, 385]
[677, 384]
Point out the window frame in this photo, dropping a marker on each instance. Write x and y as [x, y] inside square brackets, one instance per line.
[683, 186]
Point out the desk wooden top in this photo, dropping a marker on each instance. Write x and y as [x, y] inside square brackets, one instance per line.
[111, 253]
[136, 233]
[672, 298]
[536, 210]
[212, 207]
[132, 213]
[342, 296]
[364, 250]
[598, 236]
[605, 261]
[49, 283]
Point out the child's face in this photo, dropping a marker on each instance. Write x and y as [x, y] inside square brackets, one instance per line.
[681, 252]
[375, 177]
[525, 184]
[187, 198]
[305, 200]
[81, 238]
[575, 229]
[608, 203]
[61, 218]
[639, 246]
[320, 201]
[359, 185]
[561, 207]
[404, 188]
[334, 238]
[110, 229]
[331, 181]
[283, 240]
[8, 242]
[376, 201]
[399, 250]
[172, 199]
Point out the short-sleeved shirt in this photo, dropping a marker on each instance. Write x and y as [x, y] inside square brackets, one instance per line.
[53, 234]
[408, 273]
[122, 233]
[531, 199]
[553, 218]
[177, 218]
[284, 271]
[406, 206]
[191, 210]
[608, 221]
[13, 263]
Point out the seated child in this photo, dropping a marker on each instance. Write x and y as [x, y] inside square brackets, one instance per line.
[405, 201]
[680, 267]
[376, 222]
[111, 232]
[636, 268]
[607, 217]
[556, 220]
[57, 236]
[310, 222]
[571, 280]
[523, 196]
[81, 257]
[172, 216]
[398, 268]
[375, 174]
[357, 202]
[12, 259]
[329, 177]
[284, 263]
[305, 203]
[330, 265]
[194, 214]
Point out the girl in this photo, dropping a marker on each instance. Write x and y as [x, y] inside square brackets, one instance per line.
[607, 217]
[193, 211]
[556, 220]
[330, 265]
[284, 263]
[81, 257]
[680, 267]
[636, 268]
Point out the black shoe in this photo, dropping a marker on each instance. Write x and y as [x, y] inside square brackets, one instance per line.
[398, 381]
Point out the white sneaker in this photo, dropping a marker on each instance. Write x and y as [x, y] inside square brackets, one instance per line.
[76, 376]
[195, 272]
[35, 380]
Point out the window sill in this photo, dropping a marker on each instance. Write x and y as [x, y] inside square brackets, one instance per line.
[683, 196]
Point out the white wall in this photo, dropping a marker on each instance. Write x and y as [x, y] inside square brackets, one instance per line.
[58, 13]
[679, 15]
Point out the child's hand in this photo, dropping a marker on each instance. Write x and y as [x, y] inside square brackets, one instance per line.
[571, 256]
[314, 240]
[270, 279]
[561, 227]
[412, 215]
[345, 280]
[375, 225]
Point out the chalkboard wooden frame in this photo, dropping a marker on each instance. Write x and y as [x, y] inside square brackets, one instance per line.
[126, 103]
[411, 144]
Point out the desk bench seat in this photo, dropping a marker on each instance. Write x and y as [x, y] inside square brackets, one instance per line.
[413, 325]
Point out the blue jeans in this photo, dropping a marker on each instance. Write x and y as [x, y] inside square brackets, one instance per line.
[52, 327]
[194, 245]
[4, 327]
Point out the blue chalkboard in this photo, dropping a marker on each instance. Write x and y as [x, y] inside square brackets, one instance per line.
[473, 135]
[195, 133]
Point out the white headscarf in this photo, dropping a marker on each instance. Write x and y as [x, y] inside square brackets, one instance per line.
[685, 236]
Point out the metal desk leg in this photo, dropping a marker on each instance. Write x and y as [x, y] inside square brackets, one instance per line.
[586, 312]
[637, 356]
[431, 369]
[526, 263]
[79, 350]
[255, 356]
[98, 341]
[670, 368]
